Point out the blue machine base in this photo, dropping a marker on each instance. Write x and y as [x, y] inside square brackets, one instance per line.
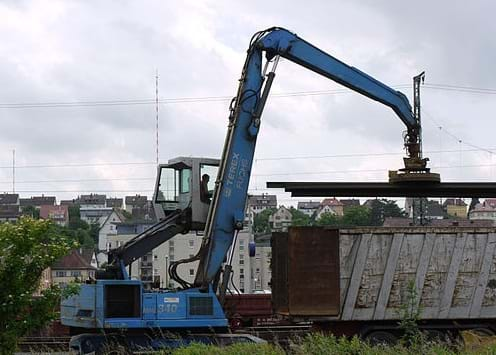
[123, 304]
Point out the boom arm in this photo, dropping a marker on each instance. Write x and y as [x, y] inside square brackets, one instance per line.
[228, 204]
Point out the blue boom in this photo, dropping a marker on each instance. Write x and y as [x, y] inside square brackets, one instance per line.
[229, 200]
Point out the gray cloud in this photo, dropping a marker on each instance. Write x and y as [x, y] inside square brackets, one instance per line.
[90, 50]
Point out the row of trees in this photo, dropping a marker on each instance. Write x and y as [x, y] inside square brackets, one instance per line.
[371, 215]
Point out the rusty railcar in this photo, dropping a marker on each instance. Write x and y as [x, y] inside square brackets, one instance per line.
[361, 285]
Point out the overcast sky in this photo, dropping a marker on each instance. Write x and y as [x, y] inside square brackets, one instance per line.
[79, 51]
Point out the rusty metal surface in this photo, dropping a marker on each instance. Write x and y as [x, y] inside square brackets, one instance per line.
[380, 189]
[279, 266]
[248, 305]
[306, 272]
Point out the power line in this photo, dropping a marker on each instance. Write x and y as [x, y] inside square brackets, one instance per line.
[357, 155]
[322, 172]
[455, 137]
[78, 180]
[85, 191]
[76, 165]
[178, 100]
[353, 155]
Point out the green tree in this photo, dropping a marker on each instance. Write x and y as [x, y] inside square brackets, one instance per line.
[383, 208]
[261, 221]
[75, 221]
[298, 218]
[356, 216]
[328, 219]
[31, 211]
[26, 249]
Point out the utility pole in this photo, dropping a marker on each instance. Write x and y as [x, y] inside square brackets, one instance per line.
[156, 112]
[13, 171]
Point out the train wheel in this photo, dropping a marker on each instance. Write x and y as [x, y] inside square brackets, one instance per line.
[381, 337]
[437, 336]
[483, 332]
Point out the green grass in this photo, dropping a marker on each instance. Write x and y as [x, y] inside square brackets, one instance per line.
[317, 344]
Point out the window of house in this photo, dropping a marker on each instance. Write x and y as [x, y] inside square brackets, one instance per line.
[241, 247]
[191, 272]
[241, 277]
[191, 255]
[171, 243]
[171, 257]
[60, 273]
[241, 271]
[241, 262]
[75, 273]
[241, 256]
[171, 250]
[111, 227]
[191, 243]
[241, 242]
[155, 256]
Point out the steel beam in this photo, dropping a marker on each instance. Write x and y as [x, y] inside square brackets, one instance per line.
[384, 189]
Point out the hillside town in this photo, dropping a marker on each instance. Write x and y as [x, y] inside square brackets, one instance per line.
[100, 223]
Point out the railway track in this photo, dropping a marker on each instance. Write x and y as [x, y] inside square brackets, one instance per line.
[44, 344]
[278, 334]
[272, 333]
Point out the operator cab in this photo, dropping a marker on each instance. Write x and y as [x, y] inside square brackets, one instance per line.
[186, 182]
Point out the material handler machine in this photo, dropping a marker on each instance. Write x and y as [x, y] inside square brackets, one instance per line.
[185, 202]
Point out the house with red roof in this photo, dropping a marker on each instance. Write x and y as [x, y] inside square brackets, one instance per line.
[57, 214]
[70, 268]
[330, 205]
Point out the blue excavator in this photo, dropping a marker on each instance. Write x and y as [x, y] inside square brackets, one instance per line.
[186, 201]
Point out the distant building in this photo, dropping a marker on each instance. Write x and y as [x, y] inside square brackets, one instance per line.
[94, 214]
[260, 265]
[308, 207]
[9, 199]
[490, 202]
[89, 255]
[484, 211]
[434, 210]
[9, 207]
[92, 200]
[73, 202]
[152, 267]
[57, 214]
[349, 203]
[257, 204]
[114, 202]
[108, 228]
[455, 207]
[37, 201]
[135, 202]
[70, 268]
[330, 205]
[281, 219]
